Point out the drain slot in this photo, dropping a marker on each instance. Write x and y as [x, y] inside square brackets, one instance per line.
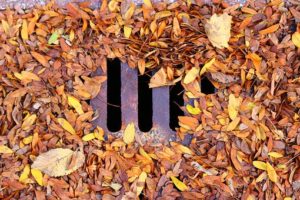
[114, 115]
[145, 107]
[206, 86]
[176, 100]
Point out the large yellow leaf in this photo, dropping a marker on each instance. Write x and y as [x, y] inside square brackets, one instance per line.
[218, 29]
[233, 106]
[191, 75]
[56, 162]
[141, 183]
[179, 184]
[75, 103]
[28, 121]
[38, 176]
[296, 39]
[260, 165]
[66, 125]
[5, 149]
[129, 133]
[25, 174]
[271, 173]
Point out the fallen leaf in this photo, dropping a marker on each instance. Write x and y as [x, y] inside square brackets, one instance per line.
[75, 103]
[275, 155]
[24, 30]
[148, 3]
[233, 106]
[66, 125]
[260, 165]
[56, 162]
[127, 31]
[28, 121]
[207, 66]
[218, 29]
[40, 58]
[232, 125]
[88, 137]
[193, 110]
[25, 174]
[179, 184]
[296, 39]
[38, 176]
[271, 173]
[5, 149]
[191, 75]
[129, 133]
[270, 29]
[141, 183]
[53, 38]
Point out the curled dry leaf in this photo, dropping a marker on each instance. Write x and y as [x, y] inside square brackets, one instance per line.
[56, 162]
[218, 29]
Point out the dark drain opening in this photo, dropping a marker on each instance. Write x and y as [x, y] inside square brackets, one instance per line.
[207, 87]
[114, 119]
[144, 103]
[176, 100]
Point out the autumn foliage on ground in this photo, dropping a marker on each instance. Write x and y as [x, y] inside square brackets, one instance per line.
[245, 137]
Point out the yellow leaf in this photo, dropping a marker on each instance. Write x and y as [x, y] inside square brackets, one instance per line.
[40, 58]
[144, 154]
[191, 75]
[141, 183]
[162, 14]
[88, 137]
[5, 149]
[287, 198]
[129, 12]
[260, 165]
[233, 106]
[75, 103]
[182, 148]
[176, 27]
[129, 133]
[232, 125]
[99, 133]
[207, 66]
[148, 3]
[27, 76]
[25, 174]
[66, 125]
[24, 30]
[38, 176]
[28, 139]
[218, 29]
[296, 39]
[127, 31]
[5, 26]
[72, 35]
[93, 26]
[193, 110]
[271, 173]
[275, 154]
[179, 184]
[28, 121]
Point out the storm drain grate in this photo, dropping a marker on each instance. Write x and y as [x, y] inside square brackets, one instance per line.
[126, 97]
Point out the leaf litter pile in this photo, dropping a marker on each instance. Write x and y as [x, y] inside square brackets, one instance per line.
[246, 136]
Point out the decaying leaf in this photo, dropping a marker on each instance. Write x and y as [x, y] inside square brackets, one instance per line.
[141, 183]
[233, 106]
[75, 103]
[296, 39]
[5, 149]
[218, 29]
[191, 75]
[207, 66]
[129, 133]
[28, 121]
[56, 162]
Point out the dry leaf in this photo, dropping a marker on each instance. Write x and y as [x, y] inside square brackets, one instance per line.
[271, 173]
[270, 29]
[141, 183]
[218, 29]
[56, 162]
[40, 58]
[207, 66]
[233, 106]
[193, 110]
[275, 154]
[38, 176]
[25, 174]
[28, 121]
[296, 39]
[129, 133]
[5, 149]
[88, 137]
[232, 125]
[260, 165]
[127, 31]
[24, 31]
[66, 125]
[75, 103]
[191, 75]
[179, 184]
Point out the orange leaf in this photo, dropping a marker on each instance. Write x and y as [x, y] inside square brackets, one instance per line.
[40, 58]
[270, 29]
